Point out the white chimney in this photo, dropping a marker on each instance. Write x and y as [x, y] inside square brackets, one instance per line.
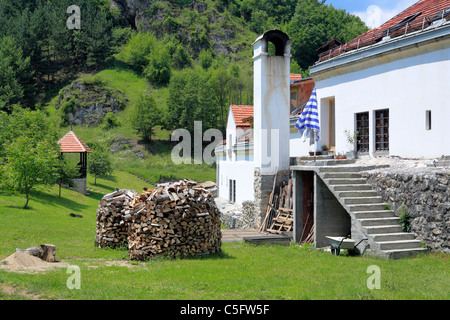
[271, 90]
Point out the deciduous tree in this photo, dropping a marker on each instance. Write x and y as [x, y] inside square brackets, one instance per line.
[30, 156]
[99, 165]
[146, 116]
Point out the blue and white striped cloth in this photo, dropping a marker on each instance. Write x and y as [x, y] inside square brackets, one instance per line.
[308, 122]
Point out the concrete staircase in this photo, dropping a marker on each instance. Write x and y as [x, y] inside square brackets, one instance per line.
[368, 212]
[444, 161]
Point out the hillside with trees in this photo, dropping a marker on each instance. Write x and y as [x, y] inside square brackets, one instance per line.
[174, 61]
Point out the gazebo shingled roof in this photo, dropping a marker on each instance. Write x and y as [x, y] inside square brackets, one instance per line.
[71, 143]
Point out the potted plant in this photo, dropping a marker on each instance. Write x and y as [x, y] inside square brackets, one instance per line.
[340, 156]
[325, 149]
[351, 138]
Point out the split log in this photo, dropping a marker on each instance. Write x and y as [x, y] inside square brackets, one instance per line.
[45, 252]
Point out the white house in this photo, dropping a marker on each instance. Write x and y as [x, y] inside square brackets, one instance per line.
[235, 157]
[391, 85]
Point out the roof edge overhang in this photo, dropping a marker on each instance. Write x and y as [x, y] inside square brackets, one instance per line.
[419, 41]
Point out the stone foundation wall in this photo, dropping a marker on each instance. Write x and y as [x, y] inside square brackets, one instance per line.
[249, 218]
[80, 185]
[242, 218]
[426, 195]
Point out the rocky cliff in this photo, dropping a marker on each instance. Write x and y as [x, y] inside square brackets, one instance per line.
[87, 103]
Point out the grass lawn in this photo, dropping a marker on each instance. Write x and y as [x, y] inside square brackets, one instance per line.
[241, 272]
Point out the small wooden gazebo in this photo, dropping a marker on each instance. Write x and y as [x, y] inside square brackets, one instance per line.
[71, 143]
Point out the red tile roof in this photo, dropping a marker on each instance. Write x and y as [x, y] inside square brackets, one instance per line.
[241, 112]
[425, 11]
[295, 76]
[70, 143]
[424, 7]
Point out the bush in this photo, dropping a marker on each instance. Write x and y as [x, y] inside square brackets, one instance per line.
[205, 59]
[158, 70]
[110, 121]
[92, 81]
[146, 116]
[404, 218]
[136, 52]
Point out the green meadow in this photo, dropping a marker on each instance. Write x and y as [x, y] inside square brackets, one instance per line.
[241, 271]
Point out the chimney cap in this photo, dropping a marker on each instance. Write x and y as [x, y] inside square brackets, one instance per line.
[277, 37]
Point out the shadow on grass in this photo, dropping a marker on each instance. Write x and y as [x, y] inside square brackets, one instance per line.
[213, 256]
[96, 195]
[100, 185]
[55, 200]
[46, 199]
[109, 178]
[67, 203]
[119, 66]
[166, 257]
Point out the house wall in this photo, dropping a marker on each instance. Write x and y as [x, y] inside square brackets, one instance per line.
[407, 83]
[298, 147]
[242, 172]
[303, 90]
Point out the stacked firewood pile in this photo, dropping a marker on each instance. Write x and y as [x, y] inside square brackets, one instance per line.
[176, 219]
[112, 229]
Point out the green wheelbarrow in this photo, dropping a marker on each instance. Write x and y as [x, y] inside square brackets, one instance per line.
[338, 243]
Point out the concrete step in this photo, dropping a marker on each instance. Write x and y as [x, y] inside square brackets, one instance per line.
[318, 157]
[399, 244]
[362, 200]
[393, 236]
[341, 175]
[379, 221]
[350, 168]
[374, 214]
[367, 207]
[321, 163]
[346, 181]
[383, 229]
[403, 253]
[355, 194]
[352, 187]
[442, 163]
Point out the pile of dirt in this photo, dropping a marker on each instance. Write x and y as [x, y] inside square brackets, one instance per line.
[23, 262]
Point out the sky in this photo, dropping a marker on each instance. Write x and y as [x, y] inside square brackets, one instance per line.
[373, 12]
